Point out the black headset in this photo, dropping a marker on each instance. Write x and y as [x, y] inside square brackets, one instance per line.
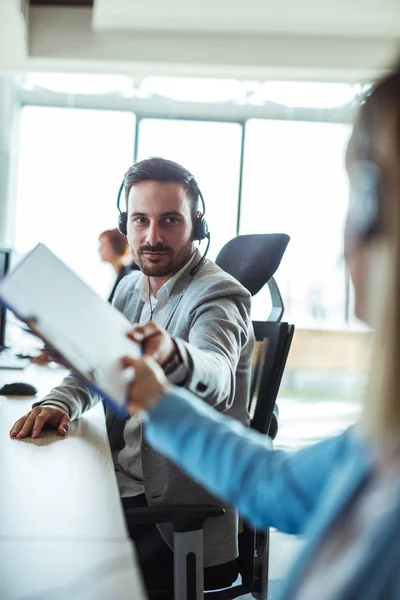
[123, 215]
[200, 226]
[365, 197]
[364, 218]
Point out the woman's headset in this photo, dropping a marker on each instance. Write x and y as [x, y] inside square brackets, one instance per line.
[365, 197]
[364, 218]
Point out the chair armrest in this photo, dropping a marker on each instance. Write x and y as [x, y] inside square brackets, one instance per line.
[184, 517]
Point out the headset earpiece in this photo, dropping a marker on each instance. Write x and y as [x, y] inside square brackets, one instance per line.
[200, 228]
[365, 198]
[122, 217]
[364, 213]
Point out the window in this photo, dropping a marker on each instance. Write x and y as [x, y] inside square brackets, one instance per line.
[211, 151]
[70, 167]
[294, 182]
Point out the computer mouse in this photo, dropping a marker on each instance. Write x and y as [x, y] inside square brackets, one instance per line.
[18, 389]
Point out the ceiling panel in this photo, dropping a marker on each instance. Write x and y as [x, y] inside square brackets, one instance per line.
[373, 18]
[61, 2]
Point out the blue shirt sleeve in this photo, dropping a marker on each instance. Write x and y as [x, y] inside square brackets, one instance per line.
[270, 488]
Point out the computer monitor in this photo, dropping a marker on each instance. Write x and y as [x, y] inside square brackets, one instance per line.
[5, 255]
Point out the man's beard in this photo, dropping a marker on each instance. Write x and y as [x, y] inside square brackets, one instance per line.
[153, 268]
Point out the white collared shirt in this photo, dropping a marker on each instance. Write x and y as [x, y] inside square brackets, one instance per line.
[161, 299]
[128, 461]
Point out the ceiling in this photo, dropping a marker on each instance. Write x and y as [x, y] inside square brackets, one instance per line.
[373, 18]
[61, 2]
[345, 40]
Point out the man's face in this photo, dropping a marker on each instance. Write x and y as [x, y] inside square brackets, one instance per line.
[159, 227]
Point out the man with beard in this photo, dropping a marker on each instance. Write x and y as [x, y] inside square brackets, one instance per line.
[194, 320]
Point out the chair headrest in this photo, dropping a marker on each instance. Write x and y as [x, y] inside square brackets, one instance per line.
[253, 259]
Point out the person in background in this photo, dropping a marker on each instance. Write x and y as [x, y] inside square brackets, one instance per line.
[114, 249]
[343, 494]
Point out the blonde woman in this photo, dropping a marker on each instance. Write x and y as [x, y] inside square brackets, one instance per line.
[343, 494]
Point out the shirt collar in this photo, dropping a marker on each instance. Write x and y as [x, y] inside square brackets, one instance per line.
[165, 291]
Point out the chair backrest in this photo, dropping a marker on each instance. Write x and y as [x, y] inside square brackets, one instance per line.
[253, 259]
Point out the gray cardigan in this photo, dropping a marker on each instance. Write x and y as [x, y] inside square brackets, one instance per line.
[209, 317]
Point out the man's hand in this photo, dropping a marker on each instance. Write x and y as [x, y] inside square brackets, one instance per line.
[157, 343]
[33, 422]
[149, 383]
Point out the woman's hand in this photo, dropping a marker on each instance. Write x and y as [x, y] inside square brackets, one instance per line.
[156, 342]
[149, 383]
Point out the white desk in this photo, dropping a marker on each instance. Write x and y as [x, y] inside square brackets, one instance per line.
[68, 570]
[62, 531]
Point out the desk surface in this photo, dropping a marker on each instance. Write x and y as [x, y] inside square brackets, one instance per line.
[60, 506]
[68, 570]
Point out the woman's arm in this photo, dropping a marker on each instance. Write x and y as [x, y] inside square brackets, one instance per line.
[269, 488]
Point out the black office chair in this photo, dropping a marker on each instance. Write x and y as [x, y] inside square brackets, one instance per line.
[252, 260]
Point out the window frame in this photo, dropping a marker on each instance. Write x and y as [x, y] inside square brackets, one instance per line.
[163, 108]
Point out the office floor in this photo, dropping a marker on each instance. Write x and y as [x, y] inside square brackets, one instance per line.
[302, 422]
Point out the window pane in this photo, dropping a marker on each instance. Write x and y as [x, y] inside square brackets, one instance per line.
[295, 182]
[71, 165]
[211, 151]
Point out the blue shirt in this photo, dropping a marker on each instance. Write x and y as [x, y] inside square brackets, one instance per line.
[298, 493]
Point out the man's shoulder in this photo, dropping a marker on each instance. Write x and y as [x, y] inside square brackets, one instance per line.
[211, 277]
[126, 287]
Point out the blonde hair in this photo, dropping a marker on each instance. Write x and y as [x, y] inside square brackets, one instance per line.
[379, 123]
